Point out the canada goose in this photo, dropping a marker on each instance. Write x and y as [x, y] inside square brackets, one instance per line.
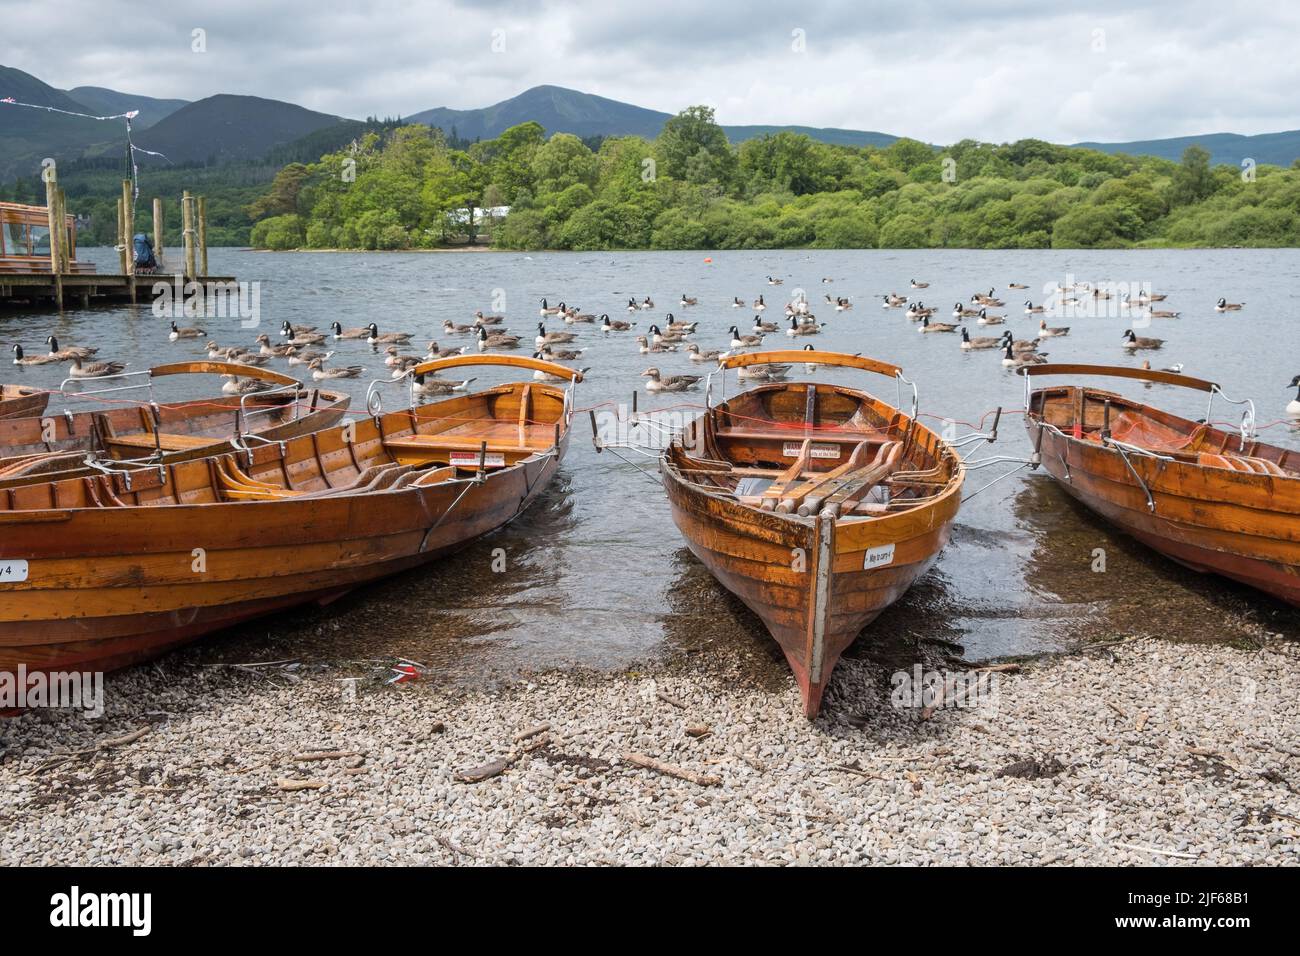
[319, 372]
[762, 373]
[449, 328]
[540, 375]
[234, 385]
[670, 337]
[1099, 294]
[980, 342]
[1016, 285]
[576, 316]
[772, 280]
[481, 319]
[646, 303]
[387, 338]
[547, 338]
[291, 331]
[94, 369]
[1031, 309]
[1046, 331]
[646, 347]
[675, 326]
[1176, 368]
[761, 326]
[301, 357]
[918, 310]
[962, 311]
[1163, 313]
[1013, 360]
[674, 383]
[893, 301]
[919, 285]
[736, 303]
[1293, 406]
[614, 325]
[697, 356]
[21, 359]
[988, 300]
[928, 326]
[185, 333]
[632, 306]
[759, 304]
[434, 351]
[342, 333]
[546, 310]
[1020, 345]
[809, 366]
[1226, 306]
[559, 355]
[687, 300]
[739, 341]
[1145, 297]
[268, 349]
[70, 351]
[843, 304]
[1134, 342]
[798, 328]
[986, 319]
[423, 385]
[498, 340]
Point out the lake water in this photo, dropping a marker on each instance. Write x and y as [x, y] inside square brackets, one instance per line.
[597, 575]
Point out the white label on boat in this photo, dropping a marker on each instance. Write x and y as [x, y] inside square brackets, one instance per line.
[12, 570]
[469, 459]
[795, 449]
[878, 557]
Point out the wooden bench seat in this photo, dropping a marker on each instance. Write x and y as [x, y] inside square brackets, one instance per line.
[165, 440]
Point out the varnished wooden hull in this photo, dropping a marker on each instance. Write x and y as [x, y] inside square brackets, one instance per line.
[16, 401]
[1242, 526]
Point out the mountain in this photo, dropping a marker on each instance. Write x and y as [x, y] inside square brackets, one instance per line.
[106, 102]
[1278, 149]
[561, 110]
[227, 128]
[28, 136]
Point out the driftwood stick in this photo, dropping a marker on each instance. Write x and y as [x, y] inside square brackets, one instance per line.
[533, 731]
[290, 785]
[122, 741]
[487, 771]
[326, 755]
[670, 699]
[681, 773]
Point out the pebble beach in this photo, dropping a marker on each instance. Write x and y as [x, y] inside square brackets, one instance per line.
[1134, 751]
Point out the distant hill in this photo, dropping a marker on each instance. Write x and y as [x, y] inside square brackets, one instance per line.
[106, 102]
[227, 128]
[1278, 149]
[27, 136]
[561, 110]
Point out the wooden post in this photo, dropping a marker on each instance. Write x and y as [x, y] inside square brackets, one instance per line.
[128, 220]
[65, 245]
[158, 230]
[52, 213]
[203, 235]
[187, 225]
[121, 240]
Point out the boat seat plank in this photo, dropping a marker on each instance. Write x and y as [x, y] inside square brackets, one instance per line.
[166, 440]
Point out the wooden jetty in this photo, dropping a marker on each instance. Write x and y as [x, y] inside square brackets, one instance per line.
[38, 253]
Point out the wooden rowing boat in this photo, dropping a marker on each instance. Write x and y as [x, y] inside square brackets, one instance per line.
[103, 571]
[1213, 500]
[38, 447]
[19, 401]
[817, 505]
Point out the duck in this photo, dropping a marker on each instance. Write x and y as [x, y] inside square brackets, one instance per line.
[918, 310]
[928, 326]
[739, 341]
[762, 373]
[919, 285]
[1011, 359]
[298, 356]
[736, 303]
[962, 311]
[451, 328]
[809, 366]
[614, 325]
[986, 319]
[70, 351]
[675, 326]
[772, 280]
[759, 304]
[980, 342]
[280, 351]
[558, 355]
[215, 351]
[1016, 285]
[320, 373]
[546, 310]
[1225, 306]
[293, 331]
[94, 369]
[342, 333]
[1293, 406]
[696, 355]
[434, 351]
[234, 385]
[798, 328]
[761, 326]
[1031, 309]
[423, 385]
[673, 383]
[1134, 342]
[497, 340]
[1020, 345]
[688, 300]
[671, 336]
[647, 347]
[549, 338]
[481, 319]
[21, 359]
[1046, 331]
[387, 338]
[177, 334]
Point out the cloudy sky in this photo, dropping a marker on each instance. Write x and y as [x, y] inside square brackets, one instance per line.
[940, 71]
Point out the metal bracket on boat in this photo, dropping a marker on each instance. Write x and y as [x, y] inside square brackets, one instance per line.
[1247, 417]
[137, 464]
[1124, 448]
[240, 444]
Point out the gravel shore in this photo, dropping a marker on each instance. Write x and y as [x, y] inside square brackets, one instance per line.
[1134, 752]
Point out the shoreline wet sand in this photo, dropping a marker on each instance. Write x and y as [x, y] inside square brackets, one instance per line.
[1137, 750]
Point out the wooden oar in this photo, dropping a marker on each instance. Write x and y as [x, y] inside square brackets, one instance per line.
[856, 460]
[774, 492]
